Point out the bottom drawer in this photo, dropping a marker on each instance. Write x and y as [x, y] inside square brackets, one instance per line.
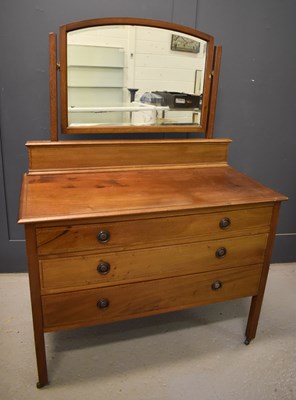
[109, 304]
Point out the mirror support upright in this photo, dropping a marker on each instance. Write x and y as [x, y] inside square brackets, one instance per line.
[214, 91]
[53, 88]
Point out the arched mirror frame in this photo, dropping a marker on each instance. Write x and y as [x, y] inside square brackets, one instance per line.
[212, 65]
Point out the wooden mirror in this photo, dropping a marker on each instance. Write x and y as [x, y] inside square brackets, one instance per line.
[124, 75]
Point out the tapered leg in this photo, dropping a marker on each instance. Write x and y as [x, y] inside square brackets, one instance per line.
[36, 304]
[253, 319]
[257, 301]
[41, 360]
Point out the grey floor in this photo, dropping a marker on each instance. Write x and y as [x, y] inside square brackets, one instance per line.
[188, 355]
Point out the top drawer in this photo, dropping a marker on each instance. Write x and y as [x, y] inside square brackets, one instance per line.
[120, 235]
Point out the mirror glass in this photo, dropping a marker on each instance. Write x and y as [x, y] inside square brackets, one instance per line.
[126, 75]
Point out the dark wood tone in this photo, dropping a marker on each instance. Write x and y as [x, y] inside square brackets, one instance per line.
[214, 91]
[53, 88]
[133, 129]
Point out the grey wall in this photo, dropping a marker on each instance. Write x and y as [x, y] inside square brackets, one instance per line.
[256, 103]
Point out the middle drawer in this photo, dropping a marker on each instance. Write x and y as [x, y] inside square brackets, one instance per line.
[58, 274]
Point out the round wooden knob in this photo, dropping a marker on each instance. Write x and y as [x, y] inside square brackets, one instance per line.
[103, 236]
[103, 268]
[224, 223]
[216, 285]
[221, 252]
[103, 304]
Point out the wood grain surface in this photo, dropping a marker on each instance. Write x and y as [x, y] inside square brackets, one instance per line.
[79, 308]
[72, 273]
[90, 195]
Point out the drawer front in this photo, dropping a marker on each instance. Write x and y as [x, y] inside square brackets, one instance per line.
[113, 303]
[146, 232]
[145, 264]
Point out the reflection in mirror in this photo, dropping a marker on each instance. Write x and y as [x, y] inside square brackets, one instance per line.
[123, 75]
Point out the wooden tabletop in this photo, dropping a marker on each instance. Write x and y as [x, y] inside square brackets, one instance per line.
[56, 197]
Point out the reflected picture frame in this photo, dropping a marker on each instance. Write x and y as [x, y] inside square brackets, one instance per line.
[184, 44]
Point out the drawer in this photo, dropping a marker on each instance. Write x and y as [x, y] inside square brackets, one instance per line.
[147, 232]
[113, 303]
[128, 266]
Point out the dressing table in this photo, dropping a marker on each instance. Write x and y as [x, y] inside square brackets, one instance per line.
[119, 229]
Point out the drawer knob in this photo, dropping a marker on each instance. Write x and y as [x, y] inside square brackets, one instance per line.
[103, 268]
[221, 252]
[224, 223]
[103, 236]
[216, 285]
[103, 304]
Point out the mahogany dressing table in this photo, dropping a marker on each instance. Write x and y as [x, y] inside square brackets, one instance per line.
[120, 229]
